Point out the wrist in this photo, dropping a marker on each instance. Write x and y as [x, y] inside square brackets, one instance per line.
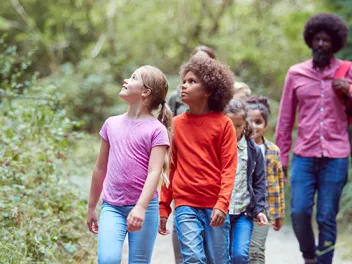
[91, 207]
[141, 206]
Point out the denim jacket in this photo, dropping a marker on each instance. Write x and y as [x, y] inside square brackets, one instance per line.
[256, 180]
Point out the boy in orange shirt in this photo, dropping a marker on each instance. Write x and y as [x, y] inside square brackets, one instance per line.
[203, 168]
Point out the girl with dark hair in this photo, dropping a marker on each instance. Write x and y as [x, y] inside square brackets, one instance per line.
[248, 195]
[258, 116]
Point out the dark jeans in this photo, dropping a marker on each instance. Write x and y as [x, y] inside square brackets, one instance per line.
[327, 176]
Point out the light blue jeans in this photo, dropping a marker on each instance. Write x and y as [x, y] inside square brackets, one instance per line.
[241, 232]
[113, 230]
[200, 242]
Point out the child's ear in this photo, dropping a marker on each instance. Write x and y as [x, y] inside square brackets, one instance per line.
[146, 92]
[207, 94]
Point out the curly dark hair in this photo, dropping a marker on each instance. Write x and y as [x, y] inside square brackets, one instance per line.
[335, 26]
[216, 78]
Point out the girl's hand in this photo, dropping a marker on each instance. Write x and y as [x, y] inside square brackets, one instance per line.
[162, 226]
[135, 219]
[278, 224]
[217, 217]
[262, 220]
[92, 221]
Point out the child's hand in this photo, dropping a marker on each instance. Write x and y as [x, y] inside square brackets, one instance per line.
[278, 224]
[92, 221]
[135, 219]
[162, 226]
[262, 220]
[217, 218]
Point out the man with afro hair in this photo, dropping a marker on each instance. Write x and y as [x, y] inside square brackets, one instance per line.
[204, 155]
[320, 156]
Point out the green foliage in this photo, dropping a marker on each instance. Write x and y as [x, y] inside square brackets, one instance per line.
[345, 215]
[87, 48]
[258, 39]
[90, 94]
[42, 216]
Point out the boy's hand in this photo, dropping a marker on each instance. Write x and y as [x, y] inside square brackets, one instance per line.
[278, 224]
[162, 226]
[92, 221]
[135, 219]
[217, 217]
[262, 220]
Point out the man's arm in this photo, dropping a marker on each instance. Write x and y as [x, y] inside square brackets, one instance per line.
[286, 120]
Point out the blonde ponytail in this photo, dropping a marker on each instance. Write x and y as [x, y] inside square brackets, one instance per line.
[155, 80]
[165, 117]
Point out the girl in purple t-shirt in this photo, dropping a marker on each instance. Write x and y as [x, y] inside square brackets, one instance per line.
[132, 158]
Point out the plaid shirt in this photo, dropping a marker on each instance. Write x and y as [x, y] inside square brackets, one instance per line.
[275, 202]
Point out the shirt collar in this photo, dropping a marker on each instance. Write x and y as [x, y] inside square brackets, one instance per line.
[242, 144]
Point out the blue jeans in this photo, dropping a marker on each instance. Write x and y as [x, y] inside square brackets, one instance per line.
[240, 238]
[200, 242]
[113, 230]
[327, 176]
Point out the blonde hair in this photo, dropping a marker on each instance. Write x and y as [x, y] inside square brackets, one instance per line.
[155, 80]
[241, 86]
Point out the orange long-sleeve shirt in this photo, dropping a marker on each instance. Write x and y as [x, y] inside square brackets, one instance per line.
[204, 151]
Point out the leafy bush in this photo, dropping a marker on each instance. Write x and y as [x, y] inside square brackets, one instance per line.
[345, 214]
[42, 215]
[90, 93]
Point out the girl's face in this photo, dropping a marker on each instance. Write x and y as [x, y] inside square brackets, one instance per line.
[133, 91]
[258, 122]
[239, 122]
[192, 91]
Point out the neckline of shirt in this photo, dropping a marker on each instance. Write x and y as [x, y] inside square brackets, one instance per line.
[138, 120]
[189, 115]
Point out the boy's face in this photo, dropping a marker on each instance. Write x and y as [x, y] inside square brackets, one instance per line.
[192, 90]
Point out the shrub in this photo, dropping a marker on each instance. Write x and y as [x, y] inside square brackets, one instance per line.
[42, 215]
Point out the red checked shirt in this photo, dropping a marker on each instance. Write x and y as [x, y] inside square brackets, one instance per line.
[322, 121]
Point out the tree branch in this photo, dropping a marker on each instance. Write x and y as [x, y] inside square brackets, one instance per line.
[33, 27]
[224, 6]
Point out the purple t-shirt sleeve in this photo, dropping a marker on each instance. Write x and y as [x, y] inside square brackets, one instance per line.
[104, 131]
[160, 137]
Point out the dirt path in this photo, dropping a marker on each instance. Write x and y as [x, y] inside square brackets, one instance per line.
[282, 248]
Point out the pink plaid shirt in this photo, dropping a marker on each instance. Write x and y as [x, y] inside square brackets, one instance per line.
[322, 121]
